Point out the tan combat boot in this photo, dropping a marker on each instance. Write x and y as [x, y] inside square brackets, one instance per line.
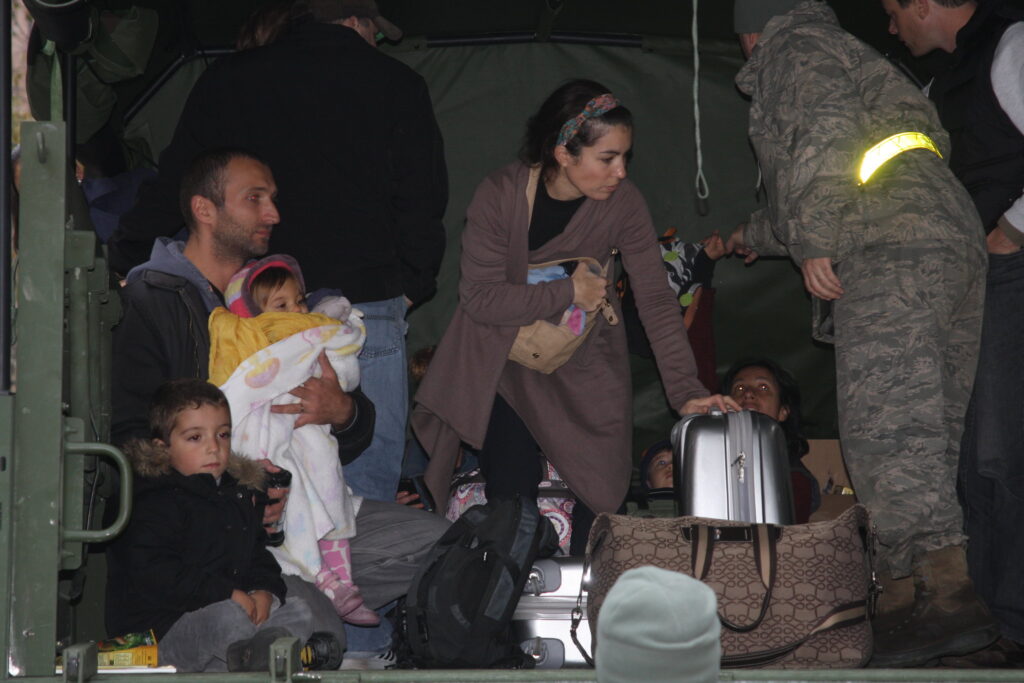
[948, 618]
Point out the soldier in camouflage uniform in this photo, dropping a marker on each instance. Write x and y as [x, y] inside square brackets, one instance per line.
[895, 265]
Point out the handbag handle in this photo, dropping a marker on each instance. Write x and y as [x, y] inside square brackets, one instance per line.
[763, 537]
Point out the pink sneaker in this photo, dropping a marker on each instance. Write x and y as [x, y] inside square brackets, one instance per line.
[347, 600]
[361, 616]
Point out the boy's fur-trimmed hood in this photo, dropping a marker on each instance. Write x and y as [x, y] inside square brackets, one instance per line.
[151, 460]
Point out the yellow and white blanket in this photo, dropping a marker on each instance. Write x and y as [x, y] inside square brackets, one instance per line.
[256, 362]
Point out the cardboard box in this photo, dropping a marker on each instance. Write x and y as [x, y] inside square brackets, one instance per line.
[143, 655]
[825, 461]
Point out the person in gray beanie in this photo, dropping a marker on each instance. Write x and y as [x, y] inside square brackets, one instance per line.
[860, 196]
[749, 17]
[658, 626]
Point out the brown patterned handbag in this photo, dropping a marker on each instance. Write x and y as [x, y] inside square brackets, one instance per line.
[788, 596]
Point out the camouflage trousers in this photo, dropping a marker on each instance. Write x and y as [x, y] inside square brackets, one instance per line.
[907, 335]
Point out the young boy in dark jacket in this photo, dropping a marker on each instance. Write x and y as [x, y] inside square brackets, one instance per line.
[193, 564]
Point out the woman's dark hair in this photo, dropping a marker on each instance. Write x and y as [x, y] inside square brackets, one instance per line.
[565, 103]
[789, 396]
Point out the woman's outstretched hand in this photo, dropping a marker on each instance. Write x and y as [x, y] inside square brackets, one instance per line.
[587, 288]
[703, 405]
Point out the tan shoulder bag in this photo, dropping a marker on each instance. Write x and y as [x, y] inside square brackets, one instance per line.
[545, 346]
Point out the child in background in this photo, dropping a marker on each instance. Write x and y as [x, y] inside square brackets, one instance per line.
[764, 386]
[657, 495]
[193, 564]
[257, 362]
[656, 466]
[689, 268]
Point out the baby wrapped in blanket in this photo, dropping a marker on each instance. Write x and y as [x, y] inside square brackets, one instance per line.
[265, 346]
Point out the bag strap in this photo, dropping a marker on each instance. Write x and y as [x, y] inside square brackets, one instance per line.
[577, 617]
[531, 191]
[844, 615]
[869, 536]
[605, 308]
[577, 612]
[763, 537]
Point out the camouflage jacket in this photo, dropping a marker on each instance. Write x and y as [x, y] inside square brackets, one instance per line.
[820, 99]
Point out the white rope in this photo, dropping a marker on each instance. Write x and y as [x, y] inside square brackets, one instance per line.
[700, 182]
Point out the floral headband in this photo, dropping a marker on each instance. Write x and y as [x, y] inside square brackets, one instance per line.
[595, 107]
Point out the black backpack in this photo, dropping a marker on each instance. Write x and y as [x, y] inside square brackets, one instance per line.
[458, 611]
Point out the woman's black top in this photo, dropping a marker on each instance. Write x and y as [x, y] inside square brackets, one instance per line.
[550, 216]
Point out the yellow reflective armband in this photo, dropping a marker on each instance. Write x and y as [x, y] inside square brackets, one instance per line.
[893, 145]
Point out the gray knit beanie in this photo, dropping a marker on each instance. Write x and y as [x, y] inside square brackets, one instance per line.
[750, 16]
[658, 626]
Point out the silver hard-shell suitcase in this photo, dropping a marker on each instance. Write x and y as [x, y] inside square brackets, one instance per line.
[732, 466]
[543, 617]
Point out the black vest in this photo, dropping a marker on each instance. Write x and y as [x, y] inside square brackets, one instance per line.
[987, 149]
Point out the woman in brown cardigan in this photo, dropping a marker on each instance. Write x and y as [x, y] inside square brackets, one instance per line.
[567, 198]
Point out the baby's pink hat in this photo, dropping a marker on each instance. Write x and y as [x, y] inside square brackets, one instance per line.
[238, 294]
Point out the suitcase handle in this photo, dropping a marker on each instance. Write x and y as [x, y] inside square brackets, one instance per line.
[764, 536]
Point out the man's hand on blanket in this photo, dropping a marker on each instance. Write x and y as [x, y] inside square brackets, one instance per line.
[321, 400]
[273, 511]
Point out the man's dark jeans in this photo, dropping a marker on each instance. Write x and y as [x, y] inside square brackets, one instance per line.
[991, 481]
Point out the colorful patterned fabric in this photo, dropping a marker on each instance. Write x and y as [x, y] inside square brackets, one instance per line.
[595, 107]
[468, 490]
[574, 317]
[679, 258]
